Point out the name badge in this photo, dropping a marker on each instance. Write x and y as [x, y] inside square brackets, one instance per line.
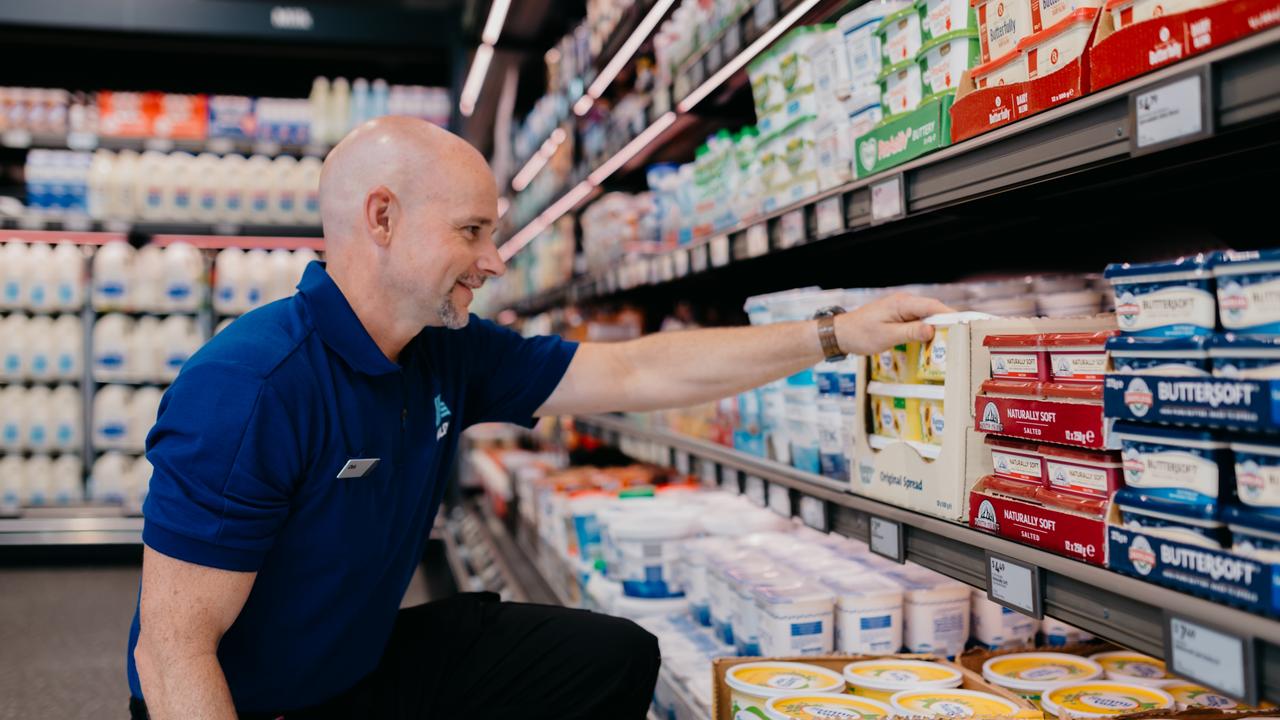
[358, 468]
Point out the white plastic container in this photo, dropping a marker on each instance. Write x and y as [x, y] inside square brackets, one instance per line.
[13, 275]
[13, 418]
[179, 195]
[13, 347]
[179, 338]
[144, 350]
[752, 685]
[112, 349]
[144, 405]
[111, 418]
[952, 702]
[40, 360]
[152, 180]
[997, 626]
[807, 706]
[286, 197]
[868, 613]
[66, 417]
[257, 278]
[229, 282]
[39, 478]
[1002, 24]
[694, 573]
[68, 277]
[830, 71]
[1135, 668]
[308, 181]
[1055, 47]
[935, 613]
[900, 37]
[1102, 698]
[260, 184]
[945, 16]
[647, 545]
[67, 486]
[282, 274]
[720, 594]
[882, 679]
[206, 185]
[1057, 633]
[745, 616]
[101, 169]
[108, 478]
[112, 276]
[122, 202]
[39, 290]
[39, 421]
[182, 270]
[1030, 674]
[901, 88]
[1047, 13]
[797, 620]
[148, 279]
[13, 480]
[233, 196]
[861, 43]
[944, 59]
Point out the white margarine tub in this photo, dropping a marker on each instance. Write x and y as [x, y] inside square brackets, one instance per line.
[753, 685]
[1055, 47]
[826, 706]
[1102, 698]
[952, 703]
[882, 679]
[745, 616]
[796, 620]
[1125, 666]
[1030, 674]
[868, 613]
[935, 612]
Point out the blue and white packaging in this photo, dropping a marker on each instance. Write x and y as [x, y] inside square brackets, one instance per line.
[1245, 357]
[1254, 533]
[231, 116]
[1248, 291]
[802, 421]
[1257, 468]
[830, 423]
[1204, 401]
[1172, 357]
[1176, 465]
[1165, 299]
[1185, 522]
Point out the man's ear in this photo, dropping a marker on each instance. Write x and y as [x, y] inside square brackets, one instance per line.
[381, 213]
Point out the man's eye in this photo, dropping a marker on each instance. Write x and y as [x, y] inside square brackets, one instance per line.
[472, 229]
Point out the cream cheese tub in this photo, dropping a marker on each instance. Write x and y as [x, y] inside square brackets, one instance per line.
[1102, 698]
[952, 703]
[1007, 69]
[1002, 24]
[1194, 697]
[753, 685]
[882, 679]
[1124, 666]
[1055, 47]
[826, 706]
[945, 58]
[1030, 674]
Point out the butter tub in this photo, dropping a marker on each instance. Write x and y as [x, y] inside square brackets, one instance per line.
[1002, 24]
[1245, 357]
[1165, 299]
[753, 685]
[1047, 13]
[943, 17]
[945, 58]
[1170, 357]
[900, 36]
[821, 706]
[901, 412]
[1254, 533]
[1103, 698]
[1007, 69]
[1257, 474]
[1056, 47]
[882, 679]
[1030, 674]
[901, 88]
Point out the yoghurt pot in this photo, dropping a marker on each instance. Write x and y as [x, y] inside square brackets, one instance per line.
[900, 36]
[1007, 69]
[1189, 696]
[1047, 13]
[745, 616]
[1002, 24]
[1245, 357]
[945, 58]
[1055, 47]
[1172, 357]
[939, 17]
[952, 703]
[1101, 698]
[882, 679]
[1030, 674]
[1124, 666]
[826, 706]
[1165, 299]
[753, 685]
[1248, 291]
[1257, 474]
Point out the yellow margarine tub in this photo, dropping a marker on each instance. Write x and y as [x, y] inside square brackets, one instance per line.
[898, 364]
[826, 706]
[897, 417]
[1103, 698]
[1030, 674]
[952, 703]
[932, 421]
[932, 363]
[752, 685]
[1132, 667]
[880, 679]
[1193, 697]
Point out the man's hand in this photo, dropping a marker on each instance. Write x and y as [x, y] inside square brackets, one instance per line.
[889, 321]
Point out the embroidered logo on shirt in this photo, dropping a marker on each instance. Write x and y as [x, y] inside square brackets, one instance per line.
[442, 412]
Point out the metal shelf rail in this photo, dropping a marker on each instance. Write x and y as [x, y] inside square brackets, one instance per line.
[1112, 606]
[1094, 131]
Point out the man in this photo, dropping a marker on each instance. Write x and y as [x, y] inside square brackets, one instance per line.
[300, 455]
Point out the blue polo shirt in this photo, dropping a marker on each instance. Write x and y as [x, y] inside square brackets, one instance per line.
[247, 448]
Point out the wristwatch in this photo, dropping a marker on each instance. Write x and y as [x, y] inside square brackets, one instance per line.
[826, 318]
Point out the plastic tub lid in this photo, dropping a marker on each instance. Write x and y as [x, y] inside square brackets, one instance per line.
[1079, 17]
[1016, 342]
[1234, 345]
[1073, 390]
[1103, 698]
[776, 678]
[1190, 437]
[1093, 340]
[819, 706]
[1026, 388]
[961, 34]
[894, 17]
[1139, 502]
[994, 64]
[866, 585]
[640, 607]
[1012, 445]
[1129, 664]
[952, 702]
[890, 674]
[1131, 345]
[1196, 697]
[1236, 262]
[1193, 265]
[805, 592]
[666, 525]
[1036, 670]
[895, 69]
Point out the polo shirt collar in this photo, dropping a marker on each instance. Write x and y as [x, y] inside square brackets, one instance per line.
[338, 325]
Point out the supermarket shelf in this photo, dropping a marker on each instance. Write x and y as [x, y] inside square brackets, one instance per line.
[633, 31]
[97, 232]
[71, 527]
[21, 140]
[1113, 606]
[483, 555]
[1090, 133]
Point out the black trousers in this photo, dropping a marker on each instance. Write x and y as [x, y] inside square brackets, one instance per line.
[471, 656]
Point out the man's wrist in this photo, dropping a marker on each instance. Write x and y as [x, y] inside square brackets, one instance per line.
[828, 338]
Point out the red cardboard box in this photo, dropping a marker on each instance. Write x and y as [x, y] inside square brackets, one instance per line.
[1079, 424]
[1117, 56]
[1074, 536]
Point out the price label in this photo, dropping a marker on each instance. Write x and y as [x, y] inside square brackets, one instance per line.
[886, 539]
[710, 474]
[753, 487]
[813, 512]
[757, 242]
[1216, 659]
[791, 229]
[698, 259]
[780, 499]
[1015, 585]
[719, 251]
[680, 260]
[16, 138]
[1171, 114]
[682, 462]
[830, 215]
[888, 200]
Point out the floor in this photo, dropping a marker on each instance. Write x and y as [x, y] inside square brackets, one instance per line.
[63, 635]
